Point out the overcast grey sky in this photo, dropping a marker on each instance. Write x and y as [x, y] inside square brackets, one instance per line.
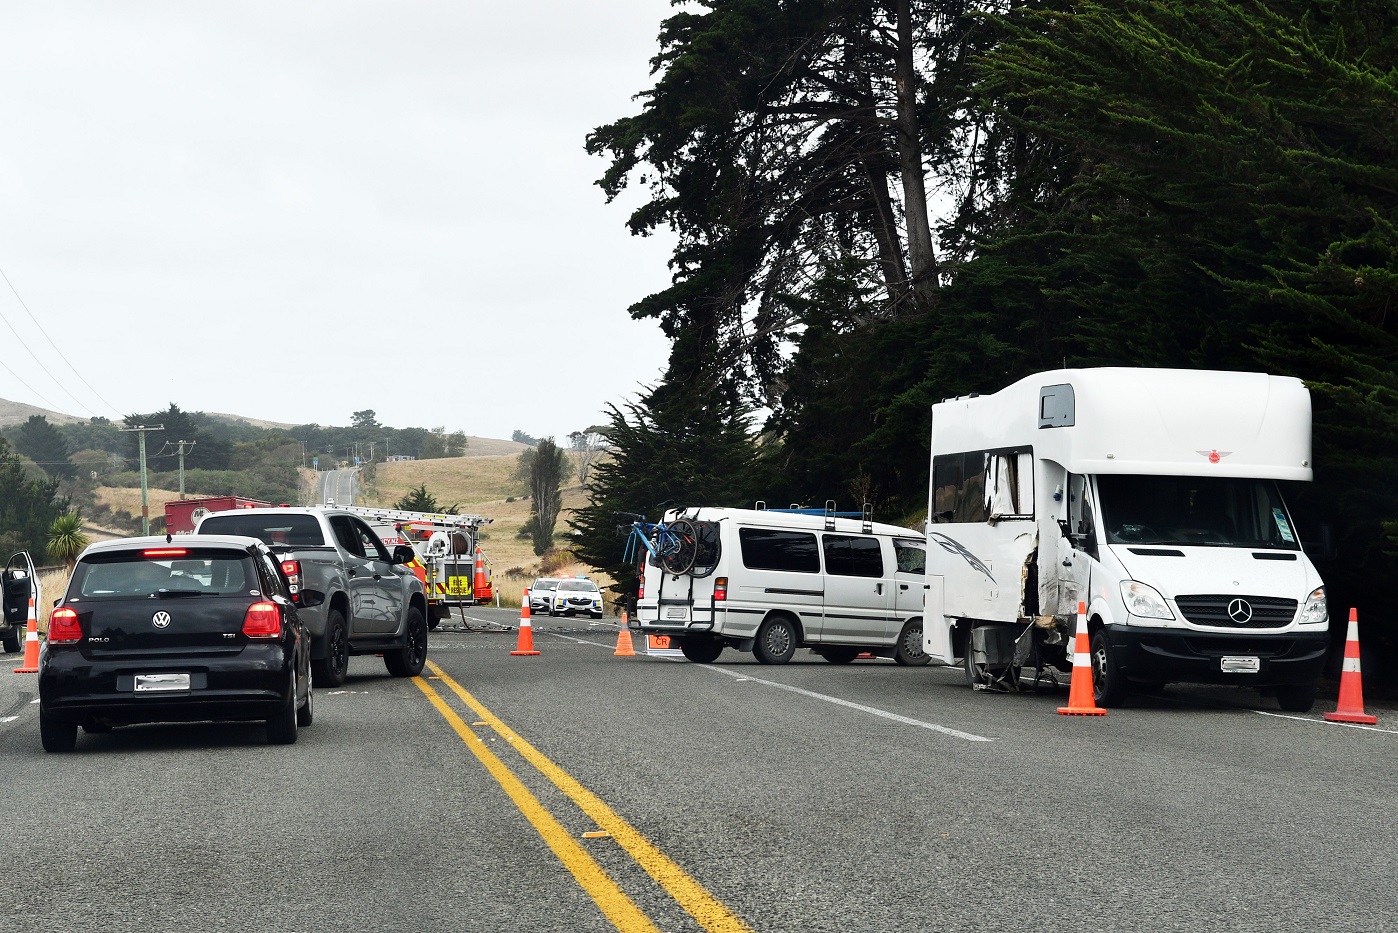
[295, 210]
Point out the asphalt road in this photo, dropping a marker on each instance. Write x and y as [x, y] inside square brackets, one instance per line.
[338, 486]
[809, 797]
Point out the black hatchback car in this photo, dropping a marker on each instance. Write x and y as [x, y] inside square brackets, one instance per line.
[160, 629]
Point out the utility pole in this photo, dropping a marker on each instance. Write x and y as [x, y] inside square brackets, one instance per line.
[141, 430]
[182, 443]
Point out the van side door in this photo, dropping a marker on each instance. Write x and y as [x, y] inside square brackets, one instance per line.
[858, 590]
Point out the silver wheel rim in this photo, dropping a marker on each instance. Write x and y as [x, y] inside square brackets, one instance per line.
[912, 642]
[777, 640]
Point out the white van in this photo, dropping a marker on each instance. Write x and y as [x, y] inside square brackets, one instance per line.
[770, 581]
[1150, 496]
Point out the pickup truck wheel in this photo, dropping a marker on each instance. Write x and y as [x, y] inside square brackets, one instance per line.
[838, 655]
[409, 660]
[909, 652]
[776, 641]
[57, 736]
[281, 726]
[701, 650]
[331, 671]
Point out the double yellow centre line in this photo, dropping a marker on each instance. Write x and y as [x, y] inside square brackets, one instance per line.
[711, 914]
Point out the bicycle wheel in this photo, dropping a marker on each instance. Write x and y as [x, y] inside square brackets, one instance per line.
[682, 546]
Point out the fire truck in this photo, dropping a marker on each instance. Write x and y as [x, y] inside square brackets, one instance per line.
[181, 515]
[452, 567]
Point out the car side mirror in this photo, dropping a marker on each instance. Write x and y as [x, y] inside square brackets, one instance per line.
[309, 598]
[403, 554]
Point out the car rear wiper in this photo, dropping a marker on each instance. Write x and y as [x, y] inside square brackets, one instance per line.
[172, 594]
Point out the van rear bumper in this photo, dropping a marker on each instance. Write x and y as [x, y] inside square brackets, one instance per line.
[1153, 654]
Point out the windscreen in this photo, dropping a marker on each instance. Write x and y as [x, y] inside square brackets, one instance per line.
[271, 528]
[1196, 511]
[582, 586]
[131, 575]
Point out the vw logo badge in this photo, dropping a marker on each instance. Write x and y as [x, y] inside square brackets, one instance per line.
[161, 619]
[1240, 611]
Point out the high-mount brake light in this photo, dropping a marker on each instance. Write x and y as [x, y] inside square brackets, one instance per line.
[64, 628]
[164, 552]
[263, 620]
[720, 589]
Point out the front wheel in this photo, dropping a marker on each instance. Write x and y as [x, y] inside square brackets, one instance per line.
[409, 661]
[701, 650]
[331, 671]
[1108, 686]
[1296, 698]
[10, 639]
[909, 652]
[776, 641]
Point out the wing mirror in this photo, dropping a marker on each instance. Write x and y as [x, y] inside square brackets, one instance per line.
[403, 554]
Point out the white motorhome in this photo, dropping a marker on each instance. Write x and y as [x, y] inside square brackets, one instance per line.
[770, 581]
[1150, 496]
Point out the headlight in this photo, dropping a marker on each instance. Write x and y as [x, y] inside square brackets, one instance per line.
[1144, 601]
[1314, 611]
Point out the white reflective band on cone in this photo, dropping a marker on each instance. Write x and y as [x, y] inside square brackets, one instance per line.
[1082, 660]
[1351, 666]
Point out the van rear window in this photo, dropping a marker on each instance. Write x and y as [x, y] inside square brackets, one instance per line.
[792, 551]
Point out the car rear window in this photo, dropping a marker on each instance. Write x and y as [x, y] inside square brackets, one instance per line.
[294, 530]
[132, 575]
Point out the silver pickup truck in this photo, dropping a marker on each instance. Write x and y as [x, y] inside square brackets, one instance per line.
[373, 603]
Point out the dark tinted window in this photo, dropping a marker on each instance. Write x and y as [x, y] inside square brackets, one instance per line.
[958, 487]
[297, 530]
[347, 535]
[129, 574]
[849, 556]
[779, 550]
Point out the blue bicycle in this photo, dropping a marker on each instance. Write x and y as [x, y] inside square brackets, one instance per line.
[674, 545]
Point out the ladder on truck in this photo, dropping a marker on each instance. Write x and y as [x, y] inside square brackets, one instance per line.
[450, 579]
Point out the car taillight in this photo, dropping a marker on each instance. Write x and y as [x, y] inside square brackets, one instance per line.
[720, 589]
[64, 628]
[292, 569]
[263, 620]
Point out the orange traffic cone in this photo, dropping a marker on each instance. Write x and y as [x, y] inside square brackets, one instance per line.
[525, 646]
[624, 648]
[1351, 705]
[1080, 700]
[480, 585]
[31, 644]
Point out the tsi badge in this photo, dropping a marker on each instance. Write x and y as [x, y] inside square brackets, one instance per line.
[161, 619]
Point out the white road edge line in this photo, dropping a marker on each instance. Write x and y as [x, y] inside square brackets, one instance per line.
[8, 718]
[871, 710]
[1326, 722]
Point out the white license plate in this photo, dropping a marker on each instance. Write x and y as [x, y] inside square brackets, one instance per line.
[677, 613]
[161, 683]
[1240, 665]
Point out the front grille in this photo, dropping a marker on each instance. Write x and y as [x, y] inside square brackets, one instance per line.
[1237, 611]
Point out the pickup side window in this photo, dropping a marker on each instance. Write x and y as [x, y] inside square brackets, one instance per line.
[347, 534]
[792, 551]
[369, 542]
[849, 556]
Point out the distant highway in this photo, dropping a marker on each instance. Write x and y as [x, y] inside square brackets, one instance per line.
[338, 486]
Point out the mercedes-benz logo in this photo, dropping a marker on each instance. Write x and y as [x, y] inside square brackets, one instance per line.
[161, 619]
[1240, 611]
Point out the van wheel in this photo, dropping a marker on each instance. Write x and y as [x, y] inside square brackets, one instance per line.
[1108, 686]
[776, 641]
[838, 655]
[909, 652]
[1296, 698]
[701, 650]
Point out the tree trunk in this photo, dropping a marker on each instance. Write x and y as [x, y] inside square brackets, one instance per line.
[922, 257]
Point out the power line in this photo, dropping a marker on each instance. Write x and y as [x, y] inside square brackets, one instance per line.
[61, 355]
